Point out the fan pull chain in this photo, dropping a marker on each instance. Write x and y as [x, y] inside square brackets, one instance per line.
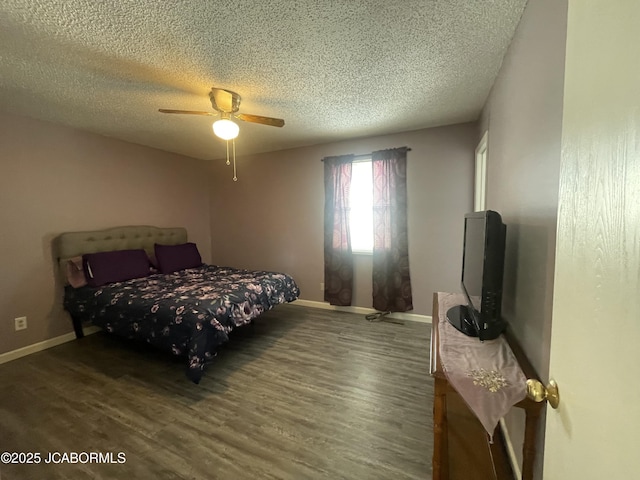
[235, 177]
[233, 146]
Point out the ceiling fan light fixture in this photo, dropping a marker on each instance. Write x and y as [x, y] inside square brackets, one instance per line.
[226, 129]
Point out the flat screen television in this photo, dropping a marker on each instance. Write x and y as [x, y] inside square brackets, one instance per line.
[482, 274]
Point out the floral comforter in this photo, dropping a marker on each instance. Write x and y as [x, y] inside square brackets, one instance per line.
[189, 312]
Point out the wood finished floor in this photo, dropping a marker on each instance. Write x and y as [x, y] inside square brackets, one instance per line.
[301, 394]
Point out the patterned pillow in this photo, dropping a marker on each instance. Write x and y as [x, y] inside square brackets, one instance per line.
[75, 273]
[117, 266]
[172, 258]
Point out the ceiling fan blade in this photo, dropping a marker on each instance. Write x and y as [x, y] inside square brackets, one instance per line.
[224, 100]
[187, 112]
[274, 122]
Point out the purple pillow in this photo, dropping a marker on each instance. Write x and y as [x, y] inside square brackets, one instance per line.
[171, 258]
[117, 266]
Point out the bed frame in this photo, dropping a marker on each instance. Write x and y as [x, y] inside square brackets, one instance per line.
[74, 244]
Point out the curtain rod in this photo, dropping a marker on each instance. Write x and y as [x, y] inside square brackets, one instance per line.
[368, 155]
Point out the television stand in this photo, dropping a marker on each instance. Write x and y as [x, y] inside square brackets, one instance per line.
[461, 448]
[460, 317]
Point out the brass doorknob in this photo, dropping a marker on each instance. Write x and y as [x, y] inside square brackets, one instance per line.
[537, 392]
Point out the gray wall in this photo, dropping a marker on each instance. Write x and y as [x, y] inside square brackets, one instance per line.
[272, 218]
[55, 179]
[524, 117]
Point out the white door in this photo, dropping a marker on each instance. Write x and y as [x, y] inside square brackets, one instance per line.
[595, 339]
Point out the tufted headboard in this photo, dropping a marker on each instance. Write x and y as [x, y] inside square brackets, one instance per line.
[74, 244]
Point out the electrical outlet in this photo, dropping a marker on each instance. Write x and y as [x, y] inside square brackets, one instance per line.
[21, 323]
[322, 287]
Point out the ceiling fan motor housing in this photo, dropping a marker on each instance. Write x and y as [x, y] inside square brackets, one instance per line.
[224, 100]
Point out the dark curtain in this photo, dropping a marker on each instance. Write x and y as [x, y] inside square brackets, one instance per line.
[338, 259]
[391, 279]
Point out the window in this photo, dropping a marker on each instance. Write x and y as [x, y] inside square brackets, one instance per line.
[354, 184]
[361, 201]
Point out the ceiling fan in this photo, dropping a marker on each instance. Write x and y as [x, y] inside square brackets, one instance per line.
[226, 103]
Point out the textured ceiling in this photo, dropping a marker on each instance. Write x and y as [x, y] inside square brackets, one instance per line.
[333, 69]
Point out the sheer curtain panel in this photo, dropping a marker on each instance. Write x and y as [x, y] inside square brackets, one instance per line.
[391, 279]
[338, 257]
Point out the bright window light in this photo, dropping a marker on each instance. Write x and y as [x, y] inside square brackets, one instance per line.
[361, 215]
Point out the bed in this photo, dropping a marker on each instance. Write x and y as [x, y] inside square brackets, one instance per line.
[185, 311]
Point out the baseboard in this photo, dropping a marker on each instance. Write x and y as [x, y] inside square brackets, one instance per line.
[40, 346]
[511, 453]
[410, 317]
